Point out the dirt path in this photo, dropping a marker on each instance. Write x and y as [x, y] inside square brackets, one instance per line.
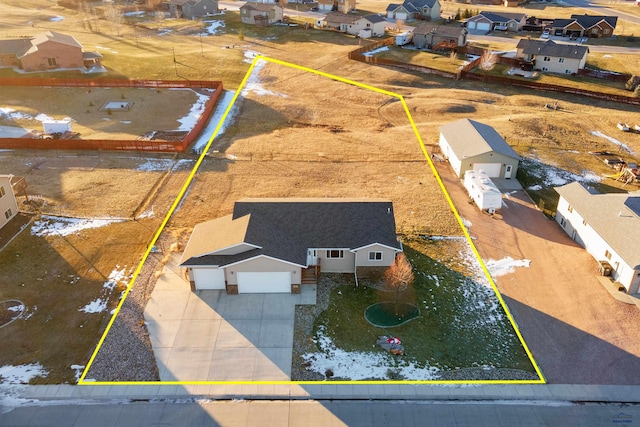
[576, 331]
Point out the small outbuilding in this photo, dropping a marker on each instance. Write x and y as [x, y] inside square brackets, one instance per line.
[8, 202]
[470, 145]
[482, 191]
[56, 126]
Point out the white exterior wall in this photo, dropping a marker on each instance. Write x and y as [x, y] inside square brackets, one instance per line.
[596, 246]
[555, 66]
[8, 201]
[362, 256]
[261, 264]
[448, 153]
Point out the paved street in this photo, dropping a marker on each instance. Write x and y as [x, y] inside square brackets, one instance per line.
[212, 336]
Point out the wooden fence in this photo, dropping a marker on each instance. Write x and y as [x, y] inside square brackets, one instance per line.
[110, 144]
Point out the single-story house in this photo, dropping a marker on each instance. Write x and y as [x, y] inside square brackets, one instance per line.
[261, 13]
[553, 57]
[276, 245]
[338, 21]
[490, 21]
[47, 51]
[414, 9]
[191, 9]
[584, 26]
[8, 202]
[607, 226]
[343, 6]
[470, 145]
[428, 35]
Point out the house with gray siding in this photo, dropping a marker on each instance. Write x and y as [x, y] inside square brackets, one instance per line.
[277, 245]
[470, 145]
[607, 226]
[431, 36]
[191, 9]
[552, 57]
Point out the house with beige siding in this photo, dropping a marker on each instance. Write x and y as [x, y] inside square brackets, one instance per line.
[261, 14]
[471, 145]
[491, 21]
[278, 245]
[8, 202]
[607, 226]
[436, 36]
[545, 55]
[191, 9]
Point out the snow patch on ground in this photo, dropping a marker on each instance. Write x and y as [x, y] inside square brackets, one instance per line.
[223, 103]
[21, 374]
[253, 82]
[551, 176]
[374, 51]
[78, 369]
[213, 28]
[161, 165]
[505, 265]
[189, 121]
[360, 365]
[99, 305]
[622, 145]
[53, 225]
[56, 18]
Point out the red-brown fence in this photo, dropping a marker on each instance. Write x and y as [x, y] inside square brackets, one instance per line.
[110, 144]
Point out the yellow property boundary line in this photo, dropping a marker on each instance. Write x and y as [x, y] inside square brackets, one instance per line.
[186, 185]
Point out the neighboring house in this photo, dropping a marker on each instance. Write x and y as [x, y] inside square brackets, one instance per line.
[490, 21]
[191, 9]
[375, 23]
[414, 9]
[584, 26]
[552, 57]
[343, 6]
[607, 226]
[8, 202]
[47, 51]
[275, 245]
[430, 36]
[261, 13]
[470, 145]
[338, 21]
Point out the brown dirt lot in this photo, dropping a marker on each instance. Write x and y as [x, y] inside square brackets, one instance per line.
[578, 333]
[149, 110]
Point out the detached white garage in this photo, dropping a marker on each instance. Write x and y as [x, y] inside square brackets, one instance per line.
[264, 282]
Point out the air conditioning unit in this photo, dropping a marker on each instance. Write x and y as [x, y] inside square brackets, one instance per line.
[604, 268]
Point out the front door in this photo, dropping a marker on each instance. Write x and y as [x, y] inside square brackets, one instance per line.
[312, 257]
[507, 172]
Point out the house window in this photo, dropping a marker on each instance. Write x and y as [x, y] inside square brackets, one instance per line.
[607, 254]
[375, 256]
[335, 254]
[563, 222]
[605, 31]
[7, 214]
[567, 71]
[561, 60]
[2, 193]
[52, 62]
[570, 208]
[546, 59]
[545, 69]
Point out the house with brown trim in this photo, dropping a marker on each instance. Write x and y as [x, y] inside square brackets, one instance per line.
[47, 51]
[414, 9]
[277, 245]
[584, 26]
[491, 21]
[434, 36]
[545, 55]
[261, 14]
[8, 202]
[338, 21]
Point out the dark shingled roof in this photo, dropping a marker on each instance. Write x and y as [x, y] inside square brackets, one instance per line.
[445, 30]
[590, 20]
[374, 19]
[285, 228]
[502, 16]
[549, 48]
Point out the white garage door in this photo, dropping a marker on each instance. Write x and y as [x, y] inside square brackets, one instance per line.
[491, 169]
[401, 15]
[262, 283]
[484, 26]
[209, 278]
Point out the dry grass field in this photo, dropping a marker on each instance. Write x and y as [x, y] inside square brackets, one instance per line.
[148, 109]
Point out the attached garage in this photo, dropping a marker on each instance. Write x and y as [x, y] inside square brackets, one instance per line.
[264, 282]
[491, 169]
[208, 278]
[483, 26]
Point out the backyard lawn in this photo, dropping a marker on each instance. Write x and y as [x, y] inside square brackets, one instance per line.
[461, 325]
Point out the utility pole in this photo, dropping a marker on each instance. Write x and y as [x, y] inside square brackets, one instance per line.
[175, 63]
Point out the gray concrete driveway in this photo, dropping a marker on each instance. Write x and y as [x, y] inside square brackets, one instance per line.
[212, 336]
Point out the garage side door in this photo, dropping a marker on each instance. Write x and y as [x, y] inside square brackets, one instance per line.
[491, 169]
[209, 278]
[262, 283]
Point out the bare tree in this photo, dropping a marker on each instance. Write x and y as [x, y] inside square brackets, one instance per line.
[114, 15]
[399, 24]
[488, 60]
[398, 277]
